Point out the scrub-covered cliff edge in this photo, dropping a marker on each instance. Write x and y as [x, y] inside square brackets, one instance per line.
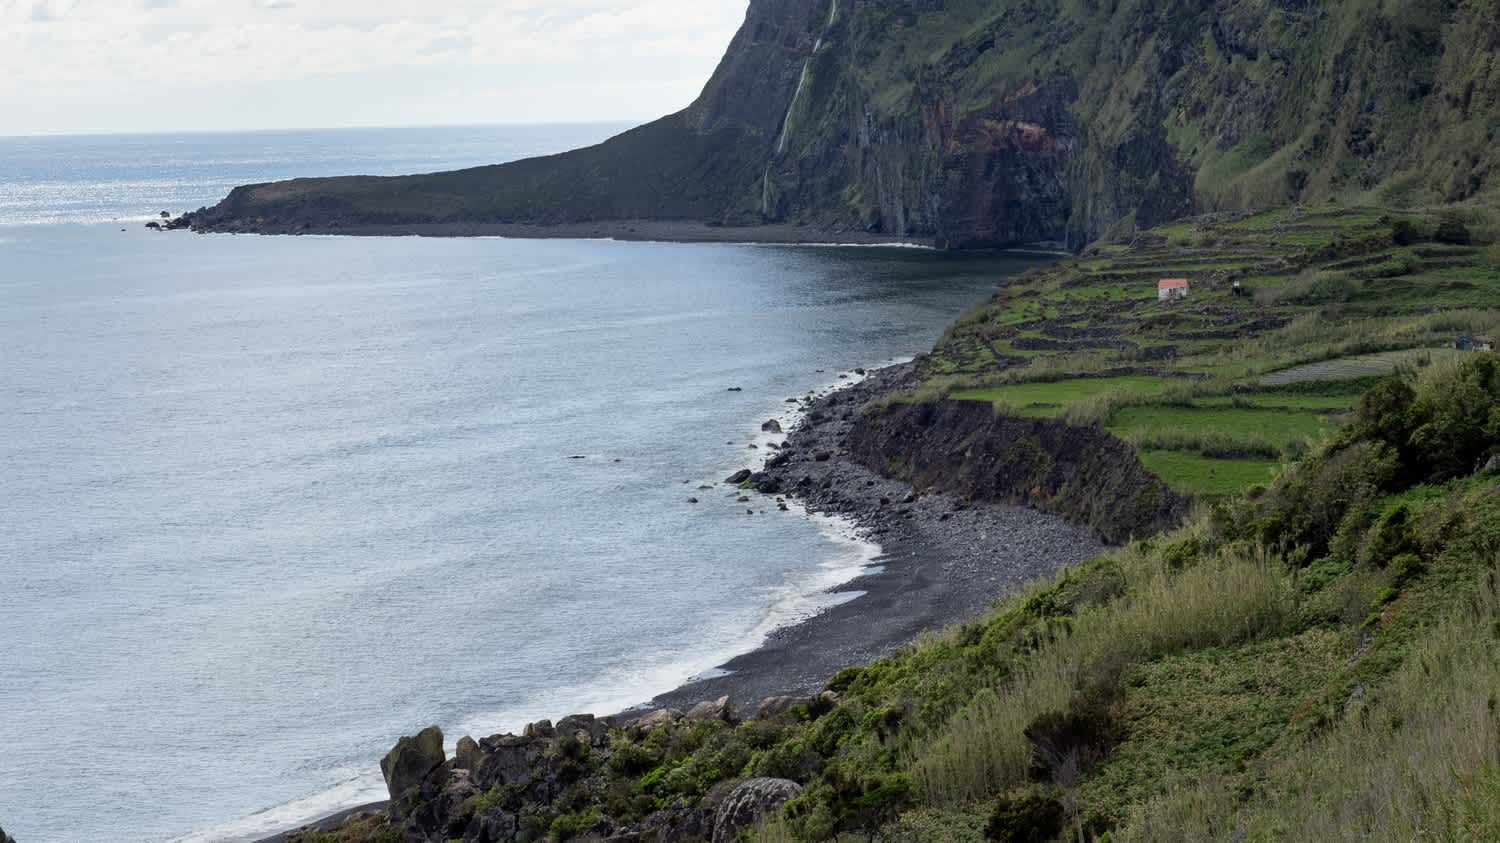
[989, 122]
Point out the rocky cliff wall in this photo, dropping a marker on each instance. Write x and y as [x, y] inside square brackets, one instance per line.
[964, 448]
[986, 122]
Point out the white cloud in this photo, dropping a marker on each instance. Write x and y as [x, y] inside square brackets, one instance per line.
[62, 49]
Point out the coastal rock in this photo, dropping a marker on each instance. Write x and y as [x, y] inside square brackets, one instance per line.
[539, 729]
[495, 825]
[584, 727]
[429, 819]
[679, 821]
[772, 426]
[739, 476]
[467, 755]
[507, 759]
[6, 838]
[774, 706]
[748, 803]
[411, 760]
[719, 709]
[656, 719]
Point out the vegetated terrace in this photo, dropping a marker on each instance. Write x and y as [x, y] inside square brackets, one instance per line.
[1291, 314]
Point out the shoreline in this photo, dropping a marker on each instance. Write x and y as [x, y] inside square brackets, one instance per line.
[630, 231]
[663, 231]
[942, 561]
[935, 550]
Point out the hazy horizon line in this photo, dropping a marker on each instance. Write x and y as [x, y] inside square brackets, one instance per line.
[356, 127]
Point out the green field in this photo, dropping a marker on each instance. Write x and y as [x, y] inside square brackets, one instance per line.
[1230, 424]
[1048, 399]
[1193, 474]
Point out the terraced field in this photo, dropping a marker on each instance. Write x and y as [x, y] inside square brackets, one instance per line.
[1290, 314]
[1349, 368]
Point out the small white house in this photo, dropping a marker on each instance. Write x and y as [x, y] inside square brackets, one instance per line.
[1171, 288]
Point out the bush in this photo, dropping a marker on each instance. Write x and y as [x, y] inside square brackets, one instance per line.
[1393, 535]
[1453, 231]
[1405, 568]
[1034, 818]
[1404, 232]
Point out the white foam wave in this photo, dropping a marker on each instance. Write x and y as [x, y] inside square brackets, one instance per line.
[800, 596]
[353, 788]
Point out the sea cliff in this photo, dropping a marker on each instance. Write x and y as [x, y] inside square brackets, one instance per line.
[990, 122]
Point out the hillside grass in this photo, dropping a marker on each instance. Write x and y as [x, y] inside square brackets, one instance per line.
[1218, 390]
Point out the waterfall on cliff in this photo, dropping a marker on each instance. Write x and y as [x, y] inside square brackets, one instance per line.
[786, 121]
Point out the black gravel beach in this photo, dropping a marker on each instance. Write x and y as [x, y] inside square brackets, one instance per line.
[944, 560]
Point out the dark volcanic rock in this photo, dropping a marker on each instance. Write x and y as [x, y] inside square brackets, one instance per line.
[411, 760]
[748, 803]
[6, 838]
[467, 755]
[721, 709]
[507, 759]
[739, 477]
[772, 426]
[964, 448]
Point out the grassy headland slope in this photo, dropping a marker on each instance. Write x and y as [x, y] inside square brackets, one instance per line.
[979, 122]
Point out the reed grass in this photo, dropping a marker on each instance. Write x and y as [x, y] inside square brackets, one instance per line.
[982, 749]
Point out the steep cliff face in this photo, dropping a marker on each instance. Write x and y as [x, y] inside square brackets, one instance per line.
[965, 448]
[982, 122]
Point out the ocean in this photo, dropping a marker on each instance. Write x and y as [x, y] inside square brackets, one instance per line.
[269, 503]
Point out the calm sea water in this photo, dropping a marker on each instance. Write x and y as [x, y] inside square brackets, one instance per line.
[267, 503]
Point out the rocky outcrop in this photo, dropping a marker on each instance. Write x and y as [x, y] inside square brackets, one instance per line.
[965, 448]
[506, 788]
[6, 838]
[748, 803]
[408, 764]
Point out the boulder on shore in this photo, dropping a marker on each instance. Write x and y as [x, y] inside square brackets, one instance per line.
[409, 762]
[748, 803]
[772, 426]
[719, 709]
[739, 477]
[6, 838]
[657, 718]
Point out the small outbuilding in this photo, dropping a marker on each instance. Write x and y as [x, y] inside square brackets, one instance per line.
[1475, 344]
[1171, 288]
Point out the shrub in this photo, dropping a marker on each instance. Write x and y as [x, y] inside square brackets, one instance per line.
[1405, 568]
[1394, 534]
[1033, 818]
[1452, 230]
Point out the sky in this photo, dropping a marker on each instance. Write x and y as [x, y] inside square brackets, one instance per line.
[93, 66]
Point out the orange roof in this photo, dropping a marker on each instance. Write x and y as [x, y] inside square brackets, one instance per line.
[1171, 283]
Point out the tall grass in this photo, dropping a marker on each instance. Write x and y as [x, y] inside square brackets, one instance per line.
[1420, 761]
[982, 748]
